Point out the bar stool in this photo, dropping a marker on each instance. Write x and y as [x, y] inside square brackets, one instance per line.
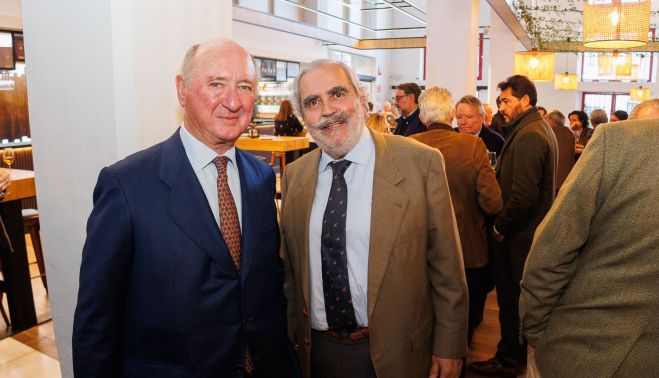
[31, 224]
[282, 160]
[2, 293]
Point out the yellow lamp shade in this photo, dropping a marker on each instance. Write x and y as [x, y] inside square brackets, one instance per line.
[536, 65]
[565, 81]
[617, 24]
[605, 64]
[640, 94]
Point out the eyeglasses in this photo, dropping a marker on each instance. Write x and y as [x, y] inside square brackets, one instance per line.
[399, 97]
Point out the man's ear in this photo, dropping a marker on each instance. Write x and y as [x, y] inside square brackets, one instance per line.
[180, 90]
[525, 100]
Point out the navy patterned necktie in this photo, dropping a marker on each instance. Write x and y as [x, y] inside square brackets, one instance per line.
[336, 286]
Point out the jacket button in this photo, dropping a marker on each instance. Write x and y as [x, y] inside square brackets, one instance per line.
[307, 341]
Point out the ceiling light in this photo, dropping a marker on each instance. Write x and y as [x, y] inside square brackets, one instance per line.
[618, 24]
[534, 64]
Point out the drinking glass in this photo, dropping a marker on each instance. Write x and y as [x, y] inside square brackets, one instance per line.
[8, 157]
[493, 158]
[577, 134]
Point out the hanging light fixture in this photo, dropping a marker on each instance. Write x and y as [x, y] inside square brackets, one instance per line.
[566, 81]
[534, 64]
[617, 24]
[640, 94]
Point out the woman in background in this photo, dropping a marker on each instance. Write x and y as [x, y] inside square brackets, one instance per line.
[286, 123]
[579, 126]
[378, 122]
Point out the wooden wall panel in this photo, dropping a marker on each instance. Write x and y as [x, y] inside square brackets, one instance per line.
[14, 119]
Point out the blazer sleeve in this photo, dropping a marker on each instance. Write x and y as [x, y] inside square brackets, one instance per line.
[289, 282]
[553, 257]
[489, 193]
[531, 150]
[103, 284]
[445, 267]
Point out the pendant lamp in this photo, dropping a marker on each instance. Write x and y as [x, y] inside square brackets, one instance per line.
[616, 24]
[534, 64]
[640, 94]
[566, 81]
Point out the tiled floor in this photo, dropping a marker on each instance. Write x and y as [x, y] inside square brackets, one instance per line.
[20, 361]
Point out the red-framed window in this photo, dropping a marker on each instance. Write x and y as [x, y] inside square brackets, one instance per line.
[609, 101]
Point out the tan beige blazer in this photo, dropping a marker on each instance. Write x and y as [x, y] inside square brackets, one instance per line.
[417, 293]
[474, 187]
[590, 289]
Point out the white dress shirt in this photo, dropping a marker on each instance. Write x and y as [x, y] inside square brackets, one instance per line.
[201, 158]
[359, 179]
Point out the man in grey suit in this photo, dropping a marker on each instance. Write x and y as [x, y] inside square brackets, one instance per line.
[589, 302]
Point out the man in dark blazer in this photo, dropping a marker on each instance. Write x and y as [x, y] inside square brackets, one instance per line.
[407, 101]
[474, 191]
[180, 271]
[566, 145]
[470, 116]
[526, 172]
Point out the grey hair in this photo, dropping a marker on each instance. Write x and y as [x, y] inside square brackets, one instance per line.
[354, 81]
[598, 116]
[474, 102]
[436, 105]
[556, 118]
[652, 104]
[189, 62]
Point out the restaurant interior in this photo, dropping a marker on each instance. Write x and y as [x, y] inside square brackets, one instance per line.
[87, 84]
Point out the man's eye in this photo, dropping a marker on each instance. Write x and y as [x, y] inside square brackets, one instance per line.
[310, 104]
[245, 87]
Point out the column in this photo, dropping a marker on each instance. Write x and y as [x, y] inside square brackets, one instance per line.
[502, 55]
[100, 86]
[452, 43]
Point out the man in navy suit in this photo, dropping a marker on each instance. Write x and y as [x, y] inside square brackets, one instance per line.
[470, 116]
[167, 288]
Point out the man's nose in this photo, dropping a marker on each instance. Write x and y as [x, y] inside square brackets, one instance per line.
[230, 99]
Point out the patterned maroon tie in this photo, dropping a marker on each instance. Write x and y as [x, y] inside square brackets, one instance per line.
[229, 223]
[230, 226]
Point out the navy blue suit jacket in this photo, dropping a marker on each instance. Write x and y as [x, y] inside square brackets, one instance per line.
[493, 140]
[410, 125]
[159, 295]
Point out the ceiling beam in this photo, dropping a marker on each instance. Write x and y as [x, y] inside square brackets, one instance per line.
[507, 15]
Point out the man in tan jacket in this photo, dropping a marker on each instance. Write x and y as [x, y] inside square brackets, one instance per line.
[474, 191]
[375, 277]
[589, 302]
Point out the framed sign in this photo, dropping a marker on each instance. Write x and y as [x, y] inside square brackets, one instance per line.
[19, 47]
[6, 51]
[292, 69]
[281, 71]
[268, 69]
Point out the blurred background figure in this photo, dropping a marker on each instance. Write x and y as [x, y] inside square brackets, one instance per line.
[597, 117]
[498, 122]
[407, 99]
[470, 117]
[619, 115]
[543, 111]
[579, 125]
[378, 122]
[566, 145]
[286, 123]
[646, 110]
[489, 113]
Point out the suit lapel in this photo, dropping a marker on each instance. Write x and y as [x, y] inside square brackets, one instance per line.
[388, 207]
[187, 205]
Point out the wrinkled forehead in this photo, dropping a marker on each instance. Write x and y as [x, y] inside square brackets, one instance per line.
[324, 78]
[228, 56]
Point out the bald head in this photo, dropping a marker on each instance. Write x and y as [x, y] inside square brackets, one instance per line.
[217, 47]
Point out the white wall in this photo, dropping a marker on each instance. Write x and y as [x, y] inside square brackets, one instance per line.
[100, 86]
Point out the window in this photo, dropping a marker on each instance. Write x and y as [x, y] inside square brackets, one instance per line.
[610, 102]
[601, 66]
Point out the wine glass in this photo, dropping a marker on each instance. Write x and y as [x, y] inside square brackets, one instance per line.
[577, 134]
[8, 157]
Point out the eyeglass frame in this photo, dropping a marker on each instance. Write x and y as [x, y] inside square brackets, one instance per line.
[399, 97]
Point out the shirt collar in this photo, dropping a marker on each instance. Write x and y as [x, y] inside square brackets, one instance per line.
[412, 114]
[360, 154]
[199, 154]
